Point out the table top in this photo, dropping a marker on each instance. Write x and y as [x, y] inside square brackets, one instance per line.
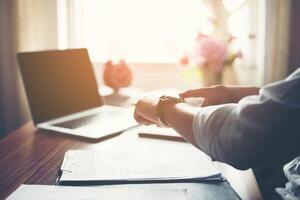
[33, 156]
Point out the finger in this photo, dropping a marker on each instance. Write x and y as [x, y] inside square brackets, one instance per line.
[205, 103]
[146, 122]
[208, 102]
[203, 92]
[142, 120]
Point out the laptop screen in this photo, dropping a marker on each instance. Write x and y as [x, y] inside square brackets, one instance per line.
[58, 83]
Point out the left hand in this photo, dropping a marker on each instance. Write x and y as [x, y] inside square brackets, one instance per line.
[145, 111]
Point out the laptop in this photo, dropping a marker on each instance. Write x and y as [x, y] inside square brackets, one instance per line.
[63, 95]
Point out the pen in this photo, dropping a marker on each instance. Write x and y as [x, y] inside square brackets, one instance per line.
[161, 137]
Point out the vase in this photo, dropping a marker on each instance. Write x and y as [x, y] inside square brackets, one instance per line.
[209, 77]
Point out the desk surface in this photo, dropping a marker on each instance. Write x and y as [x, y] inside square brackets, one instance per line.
[33, 156]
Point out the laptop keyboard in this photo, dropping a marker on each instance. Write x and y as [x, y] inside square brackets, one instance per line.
[76, 123]
[87, 120]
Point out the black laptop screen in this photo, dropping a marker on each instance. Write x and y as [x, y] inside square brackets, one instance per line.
[58, 83]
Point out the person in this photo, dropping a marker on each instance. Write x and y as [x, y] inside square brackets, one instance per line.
[245, 127]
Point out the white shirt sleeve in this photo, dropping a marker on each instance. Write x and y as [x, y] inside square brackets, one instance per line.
[262, 129]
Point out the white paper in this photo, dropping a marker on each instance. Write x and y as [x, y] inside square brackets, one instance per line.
[154, 164]
[43, 192]
[153, 129]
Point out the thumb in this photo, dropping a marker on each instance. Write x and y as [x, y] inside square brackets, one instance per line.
[209, 102]
[194, 93]
[206, 103]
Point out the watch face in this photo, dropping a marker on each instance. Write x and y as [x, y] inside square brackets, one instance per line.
[168, 99]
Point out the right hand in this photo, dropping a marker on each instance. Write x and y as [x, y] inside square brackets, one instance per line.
[211, 95]
[220, 94]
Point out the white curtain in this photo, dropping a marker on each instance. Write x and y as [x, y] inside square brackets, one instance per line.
[276, 40]
[13, 113]
[26, 25]
[37, 23]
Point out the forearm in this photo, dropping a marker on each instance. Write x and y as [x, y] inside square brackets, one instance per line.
[208, 133]
[180, 117]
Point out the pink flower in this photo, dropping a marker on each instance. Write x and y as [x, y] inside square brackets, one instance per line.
[210, 52]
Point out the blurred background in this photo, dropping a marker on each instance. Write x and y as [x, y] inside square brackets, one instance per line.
[166, 43]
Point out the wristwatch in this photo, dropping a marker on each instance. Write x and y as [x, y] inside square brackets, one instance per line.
[163, 101]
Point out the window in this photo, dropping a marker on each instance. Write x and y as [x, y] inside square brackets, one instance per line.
[146, 31]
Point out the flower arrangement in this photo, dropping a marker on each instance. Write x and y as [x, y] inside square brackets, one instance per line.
[211, 55]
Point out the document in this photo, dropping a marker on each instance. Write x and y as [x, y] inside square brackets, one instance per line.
[158, 130]
[84, 167]
[160, 133]
[47, 192]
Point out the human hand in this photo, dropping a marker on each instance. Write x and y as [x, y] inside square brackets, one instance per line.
[145, 111]
[211, 95]
[220, 94]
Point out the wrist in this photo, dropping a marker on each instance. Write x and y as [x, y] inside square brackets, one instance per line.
[147, 108]
[240, 92]
[164, 102]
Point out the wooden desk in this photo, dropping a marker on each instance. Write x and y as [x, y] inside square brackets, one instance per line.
[33, 156]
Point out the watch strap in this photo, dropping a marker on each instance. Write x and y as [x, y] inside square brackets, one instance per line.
[163, 101]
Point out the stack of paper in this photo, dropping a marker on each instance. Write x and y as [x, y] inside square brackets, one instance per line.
[85, 167]
[43, 192]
